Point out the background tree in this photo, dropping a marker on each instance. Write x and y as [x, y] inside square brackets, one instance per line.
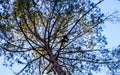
[53, 36]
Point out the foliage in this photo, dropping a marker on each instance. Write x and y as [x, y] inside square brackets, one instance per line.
[42, 33]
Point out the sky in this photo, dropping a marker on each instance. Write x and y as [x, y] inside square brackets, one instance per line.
[111, 31]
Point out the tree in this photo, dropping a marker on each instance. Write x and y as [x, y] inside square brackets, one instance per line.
[53, 36]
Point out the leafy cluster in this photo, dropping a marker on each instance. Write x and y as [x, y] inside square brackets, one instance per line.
[34, 32]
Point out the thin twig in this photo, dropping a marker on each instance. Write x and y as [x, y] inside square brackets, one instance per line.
[30, 62]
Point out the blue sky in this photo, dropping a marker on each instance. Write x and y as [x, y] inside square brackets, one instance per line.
[111, 31]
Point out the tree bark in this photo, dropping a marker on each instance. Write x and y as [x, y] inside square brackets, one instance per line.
[57, 66]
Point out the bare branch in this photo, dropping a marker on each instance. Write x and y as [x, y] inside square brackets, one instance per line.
[85, 15]
[91, 61]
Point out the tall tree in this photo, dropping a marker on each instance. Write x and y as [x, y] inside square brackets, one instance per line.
[53, 36]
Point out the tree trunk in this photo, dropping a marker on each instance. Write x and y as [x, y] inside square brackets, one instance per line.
[57, 66]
